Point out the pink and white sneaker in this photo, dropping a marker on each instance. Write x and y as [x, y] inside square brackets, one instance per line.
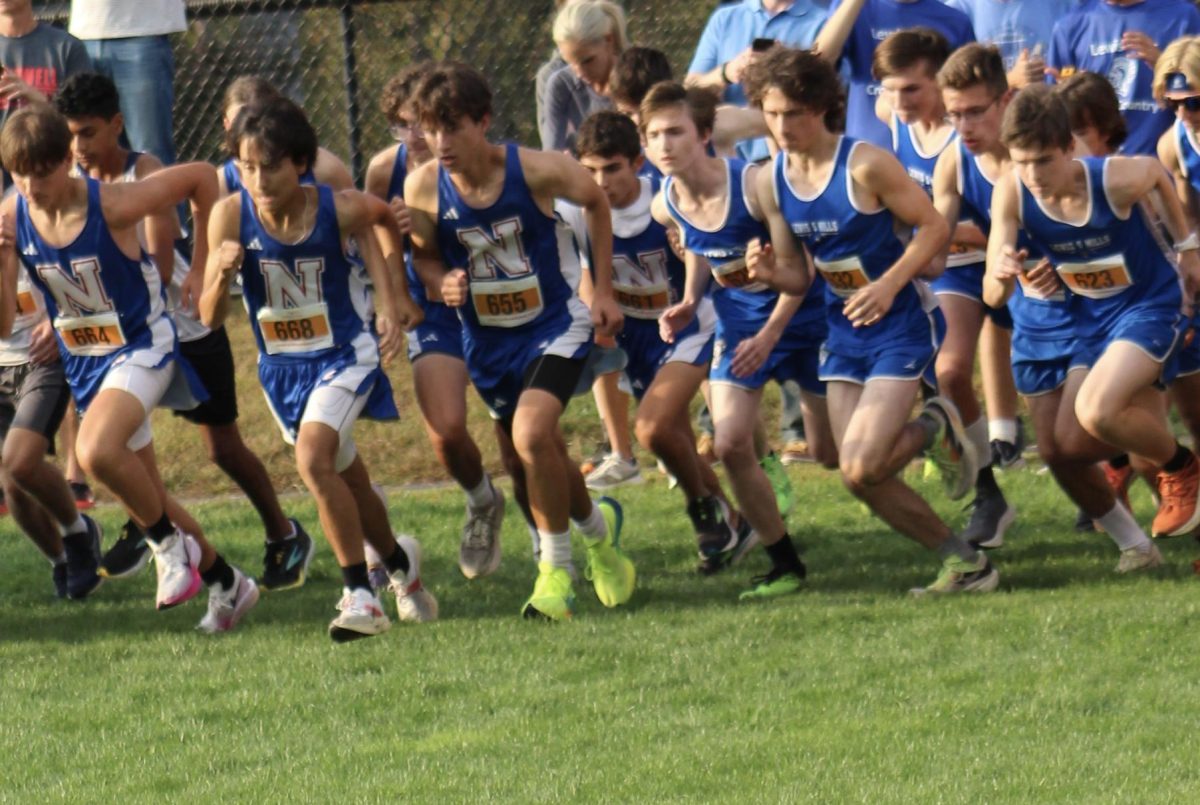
[226, 607]
[359, 615]
[175, 562]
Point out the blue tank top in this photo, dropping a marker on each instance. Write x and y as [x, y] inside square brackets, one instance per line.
[851, 248]
[747, 308]
[647, 276]
[104, 303]
[1108, 263]
[916, 162]
[1189, 156]
[233, 177]
[517, 258]
[306, 300]
[416, 289]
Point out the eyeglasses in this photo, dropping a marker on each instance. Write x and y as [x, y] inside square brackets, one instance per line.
[971, 115]
[1191, 104]
[401, 129]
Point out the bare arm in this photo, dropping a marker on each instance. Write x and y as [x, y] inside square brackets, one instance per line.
[8, 265]
[1002, 255]
[789, 271]
[734, 124]
[420, 196]
[127, 203]
[162, 227]
[224, 260]
[330, 170]
[832, 39]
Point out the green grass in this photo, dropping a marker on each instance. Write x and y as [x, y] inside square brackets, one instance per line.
[1069, 685]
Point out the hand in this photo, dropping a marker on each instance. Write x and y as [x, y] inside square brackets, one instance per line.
[1043, 279]
[676, 241]
[751, 353]
[1140, 46]
[43, 346]
[8, 232]
[391, 337]
[735, 68]
[760, 261]
[607, 317]
[402, 215]
[229, 260]
[674, 320]
[190, 290]
[1027, 70]
[454, 288]
[869, 304]
[408, 313]
[13, 87]
[1012, 264]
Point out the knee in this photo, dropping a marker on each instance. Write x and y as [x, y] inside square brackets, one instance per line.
[19, 467]
[652, 434]
[314, 464]
[448, 437]
[734, 450]
[955, 378]
[859, 475]
[532, 443]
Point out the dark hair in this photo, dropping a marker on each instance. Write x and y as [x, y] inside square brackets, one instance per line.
[35, 141]
[249, 89]
[974, 65]
[281, 129]
[88, 95]
[1037, 118]
[636, 71]
[448, 92]
[398, 91]
[1092, 101]
[804, 78]
[608, 134]
[906, 48]
[701, 105]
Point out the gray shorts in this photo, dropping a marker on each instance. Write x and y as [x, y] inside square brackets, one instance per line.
[33, 397]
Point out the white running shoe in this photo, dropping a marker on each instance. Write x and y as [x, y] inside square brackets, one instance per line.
[613, 471]
[359, 615]
[1144, 558]
[226, 608]
[479, 552]
[175, 563]
[414, 603]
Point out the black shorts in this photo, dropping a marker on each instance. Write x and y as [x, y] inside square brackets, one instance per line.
[33, 397]
[552, 374]
[212, 359]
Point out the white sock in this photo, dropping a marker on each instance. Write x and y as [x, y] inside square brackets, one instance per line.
[536, 539]
[593, 526]
[1003, 430]
[977, 435]
[372, 556]
[482, 494]
[1123, 529]
[77, 527]
[556, 548]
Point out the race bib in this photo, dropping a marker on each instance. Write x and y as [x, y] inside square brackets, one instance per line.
[291, 330]
[643, 301]
[507, 303]
[91, 336]
[734, 274]
[844, 276]
[1031, 292]
[1098, 279]
[961, 255]
[28, 311]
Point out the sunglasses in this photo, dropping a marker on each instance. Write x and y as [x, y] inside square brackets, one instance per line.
[1191, 104]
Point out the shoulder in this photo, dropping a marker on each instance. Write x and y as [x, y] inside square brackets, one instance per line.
[146, 164]
[227, 212]
[420, 187]
[538, 165]
[379, 170]
[330, 170]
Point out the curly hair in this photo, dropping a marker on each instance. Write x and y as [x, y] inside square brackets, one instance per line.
[804, 78]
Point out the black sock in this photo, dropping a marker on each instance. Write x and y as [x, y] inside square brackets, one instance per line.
[985, 481]
[76, 542]
[397, 562]
[1179, 460]
[160, 530]
[220, 573]
[1119, 462]
[355, 577]
[783, 555]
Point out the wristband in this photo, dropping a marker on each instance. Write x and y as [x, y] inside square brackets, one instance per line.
[1189, 244]
[724, 77]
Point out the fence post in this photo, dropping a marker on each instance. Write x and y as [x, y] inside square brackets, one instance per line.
[350, 76]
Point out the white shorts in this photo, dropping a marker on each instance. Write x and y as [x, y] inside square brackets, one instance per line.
[148, 385]
[338, 408]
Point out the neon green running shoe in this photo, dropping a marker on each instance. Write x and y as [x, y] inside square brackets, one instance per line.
[777, 475]
[553, 595]
[961, 576]
[777, 582]
[610, 571]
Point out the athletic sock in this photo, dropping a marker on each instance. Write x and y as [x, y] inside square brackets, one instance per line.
[1123, 529]
[218, 573]
[482, 494]
[1179, 460]
[1119, 462]
[783, 554]
[957, 546]
[354, 577]
[397, 562]
[61, 559]
[535, 540]
[556, 548]
[76, 541]
[977, 435]
[592, 527]
[77, 527]
[160, 530]
[1003, 430]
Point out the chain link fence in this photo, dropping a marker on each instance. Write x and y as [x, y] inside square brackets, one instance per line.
[334, 58]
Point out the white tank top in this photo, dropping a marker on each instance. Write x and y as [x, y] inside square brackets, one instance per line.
[117, 19]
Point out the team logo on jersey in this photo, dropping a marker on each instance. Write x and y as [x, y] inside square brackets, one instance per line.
[255, 245]
[450, 215]
[648, 267]
[1123, 77]
[288, 289]
[501, 252]
[80, 295]
[30, 250]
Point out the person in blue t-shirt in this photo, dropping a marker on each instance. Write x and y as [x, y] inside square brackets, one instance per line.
[1020, 29]
[856, 27]
[1122, 40]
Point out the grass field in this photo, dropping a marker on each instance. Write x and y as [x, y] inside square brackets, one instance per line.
[1071, 684]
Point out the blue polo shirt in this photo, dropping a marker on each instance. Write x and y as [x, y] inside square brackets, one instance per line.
[731, 29]
[1015, 25]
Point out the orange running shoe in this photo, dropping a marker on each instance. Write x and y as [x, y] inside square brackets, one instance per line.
[1178, 513]
[1119, 481]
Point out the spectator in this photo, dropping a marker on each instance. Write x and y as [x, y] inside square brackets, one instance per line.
[1122, 40]
[590, 35]
[128, 42]
[548, 68]
[37, 58]
[1020, 29]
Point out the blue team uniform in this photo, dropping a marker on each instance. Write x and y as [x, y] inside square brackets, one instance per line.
[852, 249]
[1124, 284]
[522, 304]
[440, 331]
[311, 316]
[1189, 163]
[743, 311]
[108, 309]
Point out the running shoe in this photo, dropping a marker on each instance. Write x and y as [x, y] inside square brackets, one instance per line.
[610, 571]
[713, 534]
[1119, 481]
[778, 581]
[1178, 515]
[414, 603]
[990, 518]
[553, 595]
[83, 561]
[705, 448]
[1144, 558]
[956, 462]
[285, 563]
[795, 452]
[84, 497]
[1008, 455]
[128, 555]
[58, 573]
[479, 551]
[359, 615]
[613, 471]
[780, 482]
[743, 538]
[961, 576]
[175, 560]
[226, 607]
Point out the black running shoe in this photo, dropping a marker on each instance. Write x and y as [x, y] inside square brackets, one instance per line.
[713, 534]
[1009, 455]
[59, 574]
[128, 555]
[745, 538]
[83, 561]
[285, 563]
[990, 518]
